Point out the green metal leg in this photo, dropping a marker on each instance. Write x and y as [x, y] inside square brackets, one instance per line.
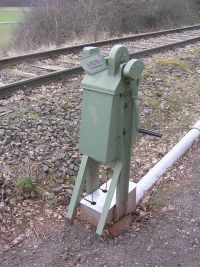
[123, 181]
[92, 176]
[113, 184]
[78, 188]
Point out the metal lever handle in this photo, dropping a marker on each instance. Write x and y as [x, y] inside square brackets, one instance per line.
[149, 132]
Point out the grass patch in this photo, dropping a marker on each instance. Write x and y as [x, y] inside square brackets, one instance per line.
[159, 197]
[195, 53]
[195, 50]
[6, 29]
[163, 109]
[8, 14]
[171, 98]
[4, 42]
[173, 104]
[173, 62]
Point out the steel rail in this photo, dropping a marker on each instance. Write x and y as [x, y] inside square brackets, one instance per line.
[23, 84]
[59, 51]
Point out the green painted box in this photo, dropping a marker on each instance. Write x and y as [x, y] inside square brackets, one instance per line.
[100, 130]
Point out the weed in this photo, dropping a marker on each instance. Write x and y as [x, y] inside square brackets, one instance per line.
[52, 178]
[24, 185]
[152, 102]
[32, 116]
[67, 106]
[148, 74]
[159, 93]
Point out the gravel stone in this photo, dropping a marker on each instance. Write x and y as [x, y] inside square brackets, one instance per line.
[2, 132]
[196, 241]
[45, 169]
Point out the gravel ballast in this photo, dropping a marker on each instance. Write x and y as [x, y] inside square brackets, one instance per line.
[39, 133]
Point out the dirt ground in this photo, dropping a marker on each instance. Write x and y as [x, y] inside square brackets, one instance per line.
[170, 237]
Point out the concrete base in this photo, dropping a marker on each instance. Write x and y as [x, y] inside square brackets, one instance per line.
[91, 213]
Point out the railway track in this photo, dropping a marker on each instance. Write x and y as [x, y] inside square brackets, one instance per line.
[60, 51]
[64, 62]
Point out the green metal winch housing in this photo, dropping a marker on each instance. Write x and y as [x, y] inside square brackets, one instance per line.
[109, 122]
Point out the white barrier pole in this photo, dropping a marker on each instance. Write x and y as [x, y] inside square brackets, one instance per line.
[167, 161]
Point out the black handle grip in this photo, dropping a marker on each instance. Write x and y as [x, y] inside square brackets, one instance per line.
[150, 132]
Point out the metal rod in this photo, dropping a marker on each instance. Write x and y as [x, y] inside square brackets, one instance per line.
[149, 132]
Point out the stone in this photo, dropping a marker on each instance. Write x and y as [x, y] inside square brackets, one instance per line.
[1, 181]
[50, 196]
[48, 211]
[54, 159]
[57, 190]
[1, 217]
[45, 168]
[196, 241]
[33, 195]
[2, 132]
[8, 191]
[76, 168]
[70, 173]
[19, 198]
[57, 164]
[13, 202]
[18, 144]
[120, 226]
[71, 166]
[27, 195]
[66, 148]
[68, 192]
